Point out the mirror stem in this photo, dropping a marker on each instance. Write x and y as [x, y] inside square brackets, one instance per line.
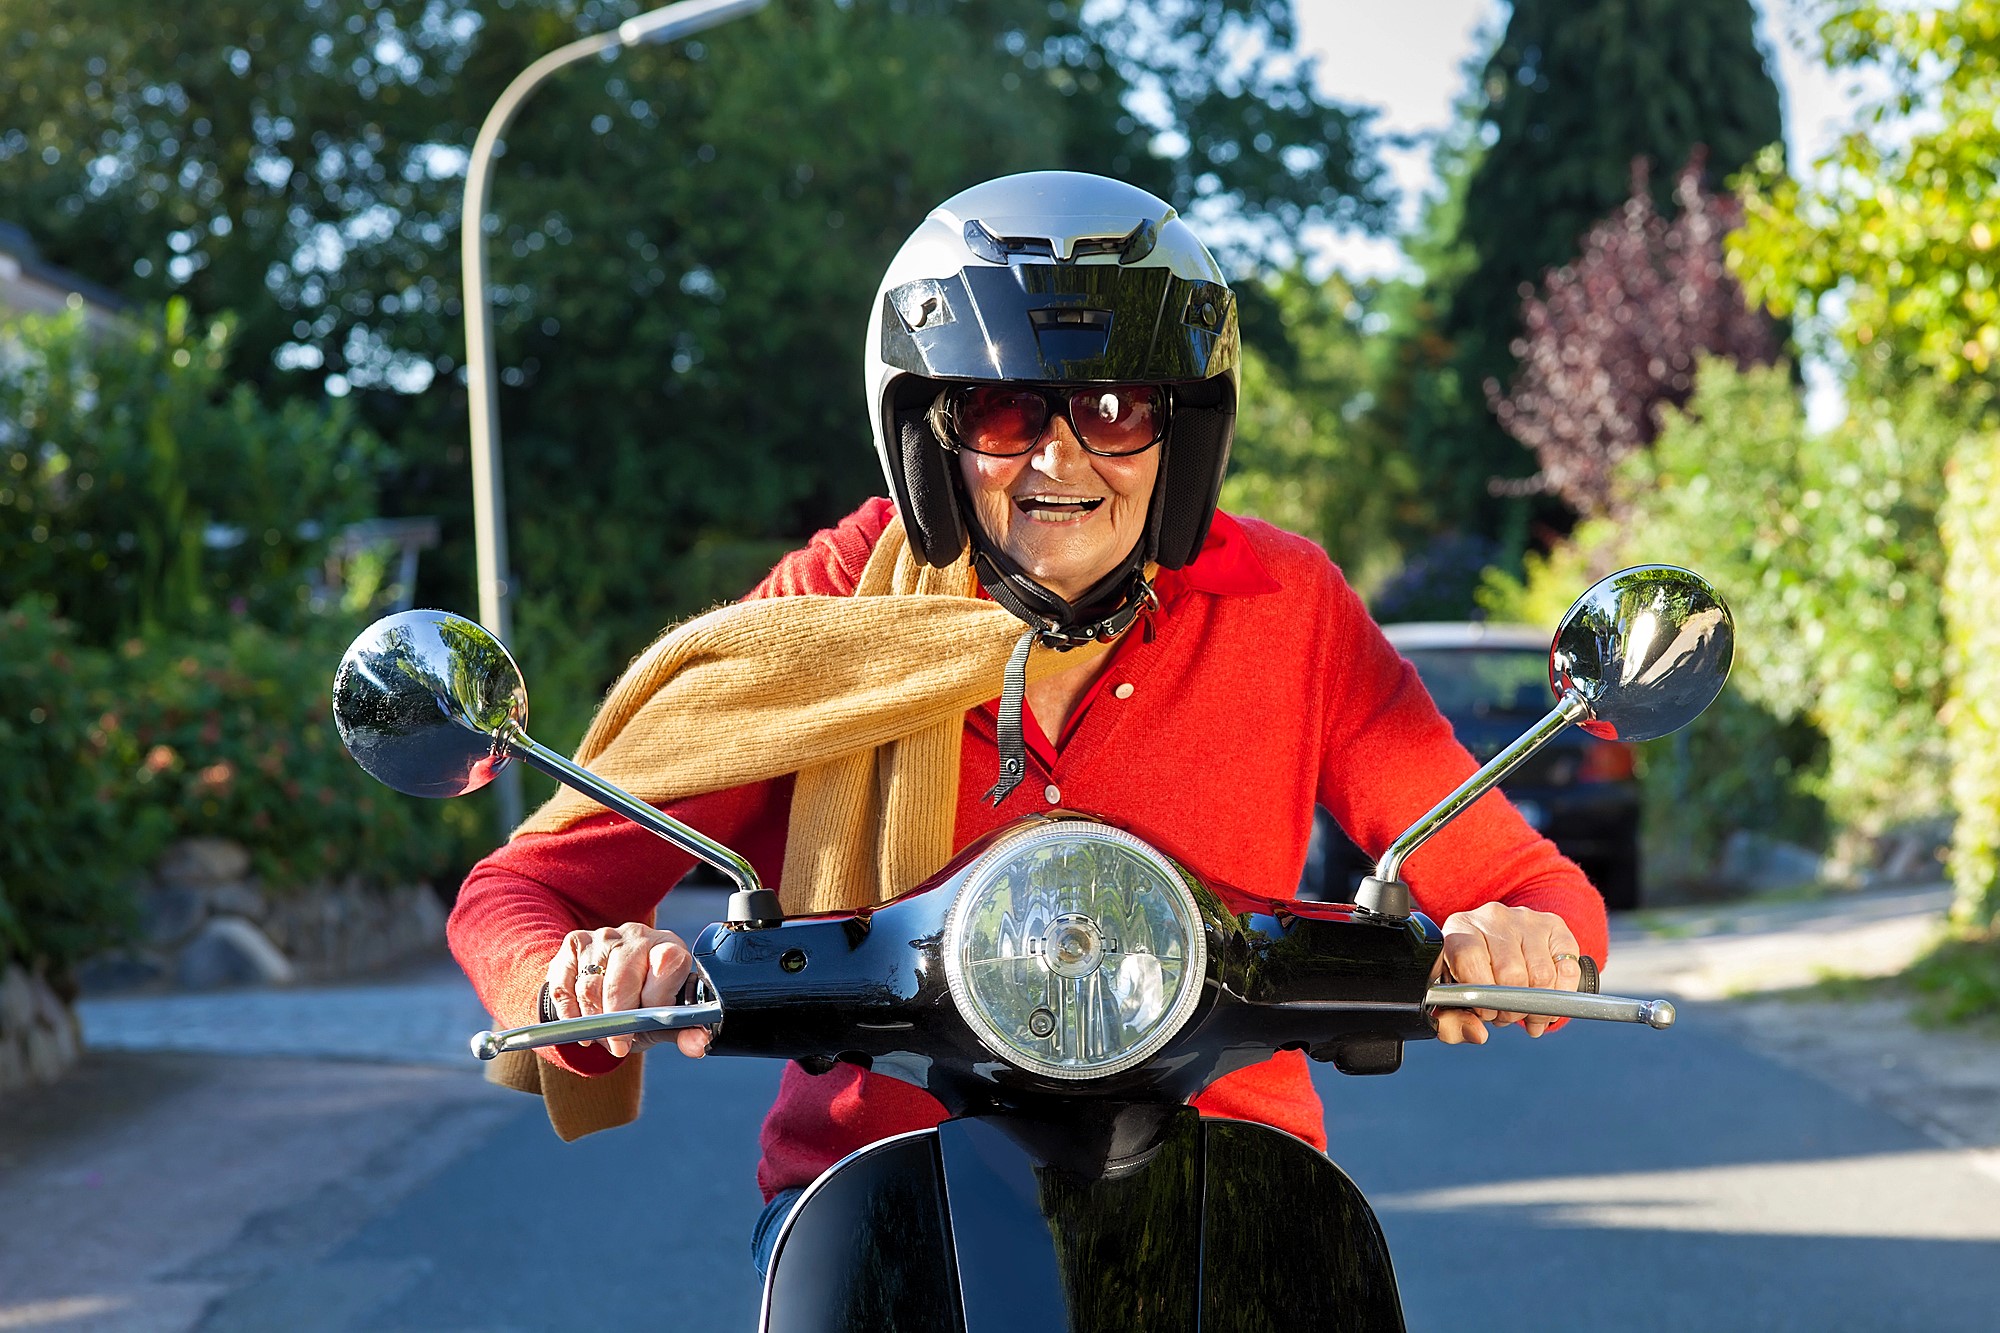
[699, 845]
[1568, 709]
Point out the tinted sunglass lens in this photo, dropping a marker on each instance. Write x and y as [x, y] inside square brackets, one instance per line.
[1000, 421]
[1117, 418]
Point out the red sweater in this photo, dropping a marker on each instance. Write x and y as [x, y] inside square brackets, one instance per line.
[1266, 688]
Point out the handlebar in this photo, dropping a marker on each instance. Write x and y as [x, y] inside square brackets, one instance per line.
[596, 1027]
[673, 1017]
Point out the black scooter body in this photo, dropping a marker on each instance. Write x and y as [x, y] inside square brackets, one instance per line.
[1063, 1206]
[1222, 1227]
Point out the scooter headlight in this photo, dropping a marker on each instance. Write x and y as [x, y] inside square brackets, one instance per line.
[1075, 950]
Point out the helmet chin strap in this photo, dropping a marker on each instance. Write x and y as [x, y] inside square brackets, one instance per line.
[1105, 611]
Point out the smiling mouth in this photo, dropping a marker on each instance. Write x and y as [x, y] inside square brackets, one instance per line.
[1057, 508]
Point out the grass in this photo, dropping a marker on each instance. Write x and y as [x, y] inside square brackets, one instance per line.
[1956, 984]
[1959, 981]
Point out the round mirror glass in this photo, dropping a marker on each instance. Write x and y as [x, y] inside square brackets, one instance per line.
[1646, 649]
[421, 700]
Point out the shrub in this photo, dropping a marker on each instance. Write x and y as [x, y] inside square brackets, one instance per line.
[113, 752]
[72, 843]
[1827, 549]
[139, 491]
[235, 739]
[1972, 611]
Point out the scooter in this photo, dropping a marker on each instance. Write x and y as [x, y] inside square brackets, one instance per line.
[1064, 989]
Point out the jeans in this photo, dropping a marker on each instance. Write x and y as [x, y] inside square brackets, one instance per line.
[769, 1223]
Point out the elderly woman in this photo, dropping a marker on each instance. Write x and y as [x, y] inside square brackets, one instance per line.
[1052, 377]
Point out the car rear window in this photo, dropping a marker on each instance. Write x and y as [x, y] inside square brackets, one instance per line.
[1485, 682]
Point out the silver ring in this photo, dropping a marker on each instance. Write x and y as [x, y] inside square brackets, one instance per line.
[592, 969]
[1572, 957]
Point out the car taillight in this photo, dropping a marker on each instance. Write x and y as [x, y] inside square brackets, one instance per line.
[1606, 762]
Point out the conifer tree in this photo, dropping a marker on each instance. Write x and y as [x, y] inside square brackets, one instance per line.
[1574, 92]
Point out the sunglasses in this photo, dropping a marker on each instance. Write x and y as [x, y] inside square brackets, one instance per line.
[1005, 420]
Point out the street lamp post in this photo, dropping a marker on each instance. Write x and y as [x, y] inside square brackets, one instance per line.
[489, 502]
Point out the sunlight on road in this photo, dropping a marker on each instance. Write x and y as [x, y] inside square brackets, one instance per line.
[1937, 1194]
[53, 1314]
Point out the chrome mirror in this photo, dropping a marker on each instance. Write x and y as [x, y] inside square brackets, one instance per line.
[1646, 650]
[426, 701]
[430, 704]
[1636, 657]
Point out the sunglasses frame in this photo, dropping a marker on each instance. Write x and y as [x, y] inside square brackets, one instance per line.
[944, 415]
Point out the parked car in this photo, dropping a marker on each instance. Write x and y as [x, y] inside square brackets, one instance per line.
[1491, 682]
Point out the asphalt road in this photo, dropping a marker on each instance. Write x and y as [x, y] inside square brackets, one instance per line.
[1604, 1177]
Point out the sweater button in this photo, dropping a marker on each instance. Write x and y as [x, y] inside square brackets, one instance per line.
[1124, 691]
[1054, 793]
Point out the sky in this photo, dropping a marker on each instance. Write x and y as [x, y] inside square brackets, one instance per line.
[1408, 58]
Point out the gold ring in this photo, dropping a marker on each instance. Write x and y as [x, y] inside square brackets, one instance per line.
[592, 969]
[1572, 957]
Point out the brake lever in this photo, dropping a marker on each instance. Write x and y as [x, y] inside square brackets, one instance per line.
[596, 1027]
[1543, 1003]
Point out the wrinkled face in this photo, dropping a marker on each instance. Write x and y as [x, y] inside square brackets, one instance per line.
[1065, 516]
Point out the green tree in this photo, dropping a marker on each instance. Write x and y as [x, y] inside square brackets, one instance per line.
[687, 236]
[1893, 243]
[140, 491]
[1575, 90]
[1307, 456]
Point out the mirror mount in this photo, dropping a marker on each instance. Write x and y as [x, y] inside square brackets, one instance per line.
[1385, 886]
[534, 754]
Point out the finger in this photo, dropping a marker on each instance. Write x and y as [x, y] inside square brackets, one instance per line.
[1467, 955]
[1566, 951]
[1510, 968]
[1535, 1026]
[623, 982]
[563, 974]
[667, 964]
[1539, 948]
[1460, 1025]
[594, 957]
[693, 1042]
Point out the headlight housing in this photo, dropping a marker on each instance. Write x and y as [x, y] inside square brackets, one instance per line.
[1074, 950]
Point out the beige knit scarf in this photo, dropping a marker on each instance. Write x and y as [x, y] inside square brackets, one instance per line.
[863, 697]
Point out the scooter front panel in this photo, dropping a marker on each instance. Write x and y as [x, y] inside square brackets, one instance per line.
[1045, 1249]
[867, 1248]
[1288, 1241]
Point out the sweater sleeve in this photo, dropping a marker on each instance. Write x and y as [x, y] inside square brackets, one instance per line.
[519, 902]
[1389, 756]
[517, 905]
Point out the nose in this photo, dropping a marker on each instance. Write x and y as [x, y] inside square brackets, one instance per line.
[1056, 453]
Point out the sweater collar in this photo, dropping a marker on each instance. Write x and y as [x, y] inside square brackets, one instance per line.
[1226, 566]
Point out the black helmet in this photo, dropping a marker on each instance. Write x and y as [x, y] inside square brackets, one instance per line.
[1054, 277]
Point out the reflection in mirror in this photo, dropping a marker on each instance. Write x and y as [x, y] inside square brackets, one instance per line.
[426, 702]
[1646, 650]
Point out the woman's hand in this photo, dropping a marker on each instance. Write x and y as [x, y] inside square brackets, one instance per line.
[633, 966]
[1497, 945]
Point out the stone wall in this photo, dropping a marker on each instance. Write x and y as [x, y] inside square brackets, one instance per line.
[205, 921]
[39, 1037]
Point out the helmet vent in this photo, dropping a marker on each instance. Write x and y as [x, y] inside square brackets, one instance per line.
[1069, 334]
[1129, 246]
